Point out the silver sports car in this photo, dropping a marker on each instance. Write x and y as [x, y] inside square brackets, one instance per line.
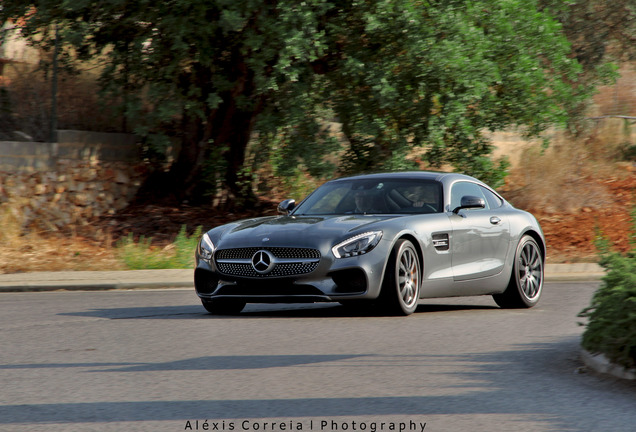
[385, 240]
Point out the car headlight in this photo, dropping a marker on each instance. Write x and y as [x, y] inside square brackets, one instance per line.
[206, 248]
[357, 245]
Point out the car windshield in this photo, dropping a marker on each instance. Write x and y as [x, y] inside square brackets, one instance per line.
[374, 196]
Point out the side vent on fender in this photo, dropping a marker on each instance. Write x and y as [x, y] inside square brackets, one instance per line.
[441, 242]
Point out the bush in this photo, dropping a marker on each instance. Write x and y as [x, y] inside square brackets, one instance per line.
[142, 255]
[611, 327]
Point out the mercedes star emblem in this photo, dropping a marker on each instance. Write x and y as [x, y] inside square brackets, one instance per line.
[262, 261]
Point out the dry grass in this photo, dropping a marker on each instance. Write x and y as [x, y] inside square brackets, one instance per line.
[562, 178]
[20, 252]
[55, 254]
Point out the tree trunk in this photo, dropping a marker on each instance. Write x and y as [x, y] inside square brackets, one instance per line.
[227, 127]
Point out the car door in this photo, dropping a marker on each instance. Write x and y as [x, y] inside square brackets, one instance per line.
[480, 237]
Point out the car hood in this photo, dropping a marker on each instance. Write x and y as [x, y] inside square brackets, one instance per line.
[298, 231]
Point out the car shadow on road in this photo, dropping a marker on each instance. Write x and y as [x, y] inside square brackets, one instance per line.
[206, 363]
[316, 310]
[340, 311]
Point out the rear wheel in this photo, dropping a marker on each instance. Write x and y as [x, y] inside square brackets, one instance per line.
[526, 281]
[401, 285]
[223, 306]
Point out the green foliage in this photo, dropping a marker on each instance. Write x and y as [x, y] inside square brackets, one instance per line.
[611, 326]
[142, 255]
[397, 74]
[299, 185]
[628, 151]
[597, 28]
[439, 76]
[301, 139]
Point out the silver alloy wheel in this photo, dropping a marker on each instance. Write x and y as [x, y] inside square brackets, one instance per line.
[526, 279]
[408, 276]
[530, 270]
[400, 292]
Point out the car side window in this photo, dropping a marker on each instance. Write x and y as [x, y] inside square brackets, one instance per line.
[492, 200]
[461, 189]
[417, 197]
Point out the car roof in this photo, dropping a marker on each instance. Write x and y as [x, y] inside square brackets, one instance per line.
[419, 175]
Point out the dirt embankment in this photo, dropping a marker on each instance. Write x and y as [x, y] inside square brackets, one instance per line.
[571, 236]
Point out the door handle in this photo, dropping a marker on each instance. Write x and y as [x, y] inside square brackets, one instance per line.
[495, 220]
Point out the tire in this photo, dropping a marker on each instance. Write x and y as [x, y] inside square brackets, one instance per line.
[402, 280]
[526, 281]
[223, 306]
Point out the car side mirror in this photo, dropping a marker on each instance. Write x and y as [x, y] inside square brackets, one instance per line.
[470, 202]
[286, 206]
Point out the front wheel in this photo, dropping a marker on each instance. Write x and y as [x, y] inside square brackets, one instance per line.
[223, 306]
[401, 286]
[526, 281]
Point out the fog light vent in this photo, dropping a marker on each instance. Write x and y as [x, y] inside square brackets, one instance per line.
[350, 281]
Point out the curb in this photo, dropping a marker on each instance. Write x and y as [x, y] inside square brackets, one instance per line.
[96, 280]
[52, 286]
[601, 364]
[573, 272]
[568, 277]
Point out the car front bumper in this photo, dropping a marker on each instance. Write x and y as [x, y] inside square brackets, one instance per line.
[351, 278]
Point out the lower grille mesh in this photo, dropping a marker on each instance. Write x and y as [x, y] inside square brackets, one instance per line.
[279, 270]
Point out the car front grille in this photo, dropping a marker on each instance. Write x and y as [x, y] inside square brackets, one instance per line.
[286, 261]
[278, 252]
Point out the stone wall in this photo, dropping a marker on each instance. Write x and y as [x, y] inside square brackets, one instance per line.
[55, 186]
[18, 156]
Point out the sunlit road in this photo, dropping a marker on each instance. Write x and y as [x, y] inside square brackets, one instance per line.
[155, 361]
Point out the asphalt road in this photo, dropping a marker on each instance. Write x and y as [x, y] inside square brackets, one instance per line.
[153, 360]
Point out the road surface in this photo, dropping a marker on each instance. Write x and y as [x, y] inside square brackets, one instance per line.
[154, 360]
